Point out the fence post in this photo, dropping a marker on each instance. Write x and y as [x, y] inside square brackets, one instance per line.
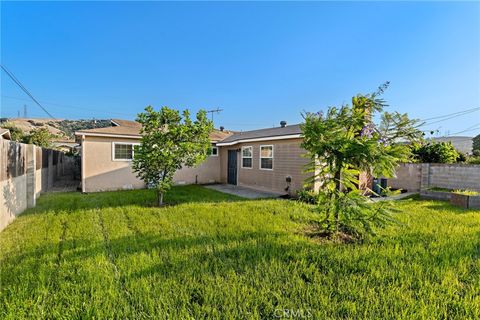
[31, 161]
[425, 176]
[50, 172]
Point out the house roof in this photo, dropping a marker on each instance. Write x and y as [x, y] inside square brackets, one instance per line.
[277, 133]
[126, 123]
[127, 128]
[5, 133]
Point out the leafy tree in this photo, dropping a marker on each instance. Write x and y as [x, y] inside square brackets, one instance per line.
[170, 140]
[476, 145]
[40, 137]
[435, 152]
[15, 132]
[344, 142]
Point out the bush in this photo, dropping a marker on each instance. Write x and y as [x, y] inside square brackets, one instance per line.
[473, 160]
[307, 196]
[435, 152]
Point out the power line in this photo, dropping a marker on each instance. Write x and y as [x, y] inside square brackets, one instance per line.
[473, 128]
[14, 79]
[449, 116]
[73, 107]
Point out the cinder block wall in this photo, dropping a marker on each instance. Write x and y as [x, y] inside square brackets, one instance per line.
[408, 177]
[414, 176]
[454, 176]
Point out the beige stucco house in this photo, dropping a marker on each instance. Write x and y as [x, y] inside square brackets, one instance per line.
[266, 159]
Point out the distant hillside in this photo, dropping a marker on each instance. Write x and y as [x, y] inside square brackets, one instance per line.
[62, 128]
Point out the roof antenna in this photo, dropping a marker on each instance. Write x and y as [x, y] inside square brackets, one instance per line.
[214, 111]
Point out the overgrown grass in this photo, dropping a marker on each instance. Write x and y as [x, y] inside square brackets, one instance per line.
[113, 255]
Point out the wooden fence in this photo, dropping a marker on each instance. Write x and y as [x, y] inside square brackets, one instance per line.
[25, 172]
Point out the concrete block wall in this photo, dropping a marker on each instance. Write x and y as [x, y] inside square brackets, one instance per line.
[415, 177]
[408, 177]
[455, 176]
[25, 172]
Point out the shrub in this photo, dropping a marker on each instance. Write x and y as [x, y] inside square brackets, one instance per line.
[307, 196]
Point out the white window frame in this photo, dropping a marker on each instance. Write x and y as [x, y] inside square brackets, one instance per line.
[124, 143]
[211, 153]
[251, 157]
[260, 157]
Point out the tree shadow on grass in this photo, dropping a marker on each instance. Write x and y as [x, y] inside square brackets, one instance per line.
[217, 254]
[71, 201]
[244, 253]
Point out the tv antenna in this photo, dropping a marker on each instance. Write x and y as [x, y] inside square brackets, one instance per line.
[214, 111]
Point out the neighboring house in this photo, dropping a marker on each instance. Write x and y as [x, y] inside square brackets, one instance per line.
[5, 134]
[267, 159]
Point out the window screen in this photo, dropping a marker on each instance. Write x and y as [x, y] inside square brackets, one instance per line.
[123, 151]
[266, 157]
[246, 157]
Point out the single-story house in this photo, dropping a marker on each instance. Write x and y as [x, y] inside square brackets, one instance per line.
[266, 159]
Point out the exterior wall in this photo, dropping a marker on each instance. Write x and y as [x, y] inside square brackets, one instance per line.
[101, 173]
[287, 161]
[415, 177]
[207, 172]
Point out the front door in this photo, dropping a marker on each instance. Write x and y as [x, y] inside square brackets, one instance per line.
[232, 167]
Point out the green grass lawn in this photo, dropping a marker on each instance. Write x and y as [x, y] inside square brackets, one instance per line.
[211, 255]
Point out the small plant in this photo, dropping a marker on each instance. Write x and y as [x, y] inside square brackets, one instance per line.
[467, 192]
[307, 196]
[439, 189]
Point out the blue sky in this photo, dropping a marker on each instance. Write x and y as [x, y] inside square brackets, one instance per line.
[260, 62]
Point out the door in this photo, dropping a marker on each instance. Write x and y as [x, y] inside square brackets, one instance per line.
[232, 167]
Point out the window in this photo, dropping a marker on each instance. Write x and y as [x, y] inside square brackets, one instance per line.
[123, 151]
[247, 157]
[214, 152]
[266, 157]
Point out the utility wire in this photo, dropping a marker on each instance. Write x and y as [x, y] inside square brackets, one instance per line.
[17, 82]
[450, 114]
[74, 107]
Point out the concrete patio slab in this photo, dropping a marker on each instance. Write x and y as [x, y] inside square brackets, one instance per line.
[244, 192]
[395, 197]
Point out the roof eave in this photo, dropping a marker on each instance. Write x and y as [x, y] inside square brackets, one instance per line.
[270, 138]
[112, 135]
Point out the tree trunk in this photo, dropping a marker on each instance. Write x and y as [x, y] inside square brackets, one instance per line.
[338, 187]
[160, 199]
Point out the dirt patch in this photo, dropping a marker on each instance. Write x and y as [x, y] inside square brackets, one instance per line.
[343, 236]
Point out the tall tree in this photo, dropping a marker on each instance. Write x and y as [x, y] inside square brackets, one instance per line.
[344, 142]
[170, 140]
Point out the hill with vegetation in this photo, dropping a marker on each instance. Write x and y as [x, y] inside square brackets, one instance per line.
[62, 128]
